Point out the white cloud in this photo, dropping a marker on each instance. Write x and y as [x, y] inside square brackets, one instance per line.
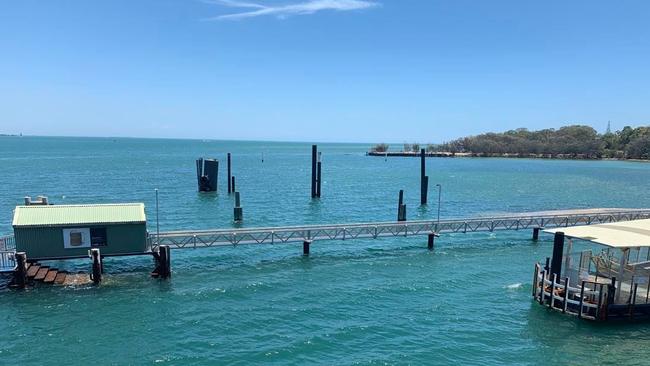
[282, 11]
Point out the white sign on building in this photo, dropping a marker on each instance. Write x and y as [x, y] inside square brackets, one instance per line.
[76, 238]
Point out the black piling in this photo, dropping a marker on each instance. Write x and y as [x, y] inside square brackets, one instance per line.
[558, 248]
[535, 233]
[164, 261]
[314, 158]
[232, 182]
[424, 180]
[318, 179]
[305, 247]
[230, 190]
[430, 240]
[199, 172]
[238, 212]
[401, 207]
[96, 275]
[20, 274]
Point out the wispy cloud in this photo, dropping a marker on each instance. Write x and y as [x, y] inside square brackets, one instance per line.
[283, 11]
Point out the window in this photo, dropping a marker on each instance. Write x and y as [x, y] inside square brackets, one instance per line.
[98, 237]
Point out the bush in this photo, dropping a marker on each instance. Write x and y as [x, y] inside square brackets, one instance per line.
[380, 148]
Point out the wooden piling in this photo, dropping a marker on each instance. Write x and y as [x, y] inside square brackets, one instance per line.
[229, 175]
[233, 182]
[305, 247]
[20, 273]
[96, 275]
[424, 180]
[238, 211]
[314, 157]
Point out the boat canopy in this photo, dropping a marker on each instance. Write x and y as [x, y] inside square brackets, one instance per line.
[625, 234]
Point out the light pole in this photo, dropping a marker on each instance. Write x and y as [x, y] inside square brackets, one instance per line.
[157, 221]
[439, 196]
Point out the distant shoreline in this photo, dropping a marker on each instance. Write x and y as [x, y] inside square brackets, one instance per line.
[444, 154]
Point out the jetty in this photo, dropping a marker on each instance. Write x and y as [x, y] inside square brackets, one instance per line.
[374, 230]
[159, 244]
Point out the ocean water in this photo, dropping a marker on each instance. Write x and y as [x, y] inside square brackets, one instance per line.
[387, 301]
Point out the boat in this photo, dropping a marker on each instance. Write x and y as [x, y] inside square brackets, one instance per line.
[597, 272]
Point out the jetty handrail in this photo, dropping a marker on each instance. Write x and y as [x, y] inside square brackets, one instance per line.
[442, 223]
[286, 234]
[7, 260]
[7, 243]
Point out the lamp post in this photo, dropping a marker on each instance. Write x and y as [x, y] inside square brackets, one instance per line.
[157, 221]
[439, 196]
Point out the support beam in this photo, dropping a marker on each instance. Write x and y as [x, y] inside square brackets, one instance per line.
[535, 233]
[431, 240]
[164, 262]
[305, 247]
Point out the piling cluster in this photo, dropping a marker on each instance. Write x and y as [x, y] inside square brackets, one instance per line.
[207, 174]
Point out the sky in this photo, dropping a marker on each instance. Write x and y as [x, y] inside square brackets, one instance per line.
[321, 70]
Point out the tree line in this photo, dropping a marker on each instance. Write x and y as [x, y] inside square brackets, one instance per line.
[575, 141]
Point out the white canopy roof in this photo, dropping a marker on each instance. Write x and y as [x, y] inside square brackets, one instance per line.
[624, 234]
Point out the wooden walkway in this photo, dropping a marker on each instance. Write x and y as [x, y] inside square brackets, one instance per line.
[278, 235]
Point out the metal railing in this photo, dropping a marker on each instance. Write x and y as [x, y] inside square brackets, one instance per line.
[587, 301]
[7, 251]
[277, 235]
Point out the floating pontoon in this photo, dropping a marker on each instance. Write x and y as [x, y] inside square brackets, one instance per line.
[607, 280]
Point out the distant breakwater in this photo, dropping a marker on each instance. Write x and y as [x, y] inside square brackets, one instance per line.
[412, 154]
[445, 154]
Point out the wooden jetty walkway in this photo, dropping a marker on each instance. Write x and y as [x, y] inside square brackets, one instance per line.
[374, 230]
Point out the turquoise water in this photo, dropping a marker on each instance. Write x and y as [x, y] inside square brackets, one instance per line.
[387, 301]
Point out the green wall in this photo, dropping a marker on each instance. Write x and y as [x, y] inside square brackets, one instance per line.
[46, 242]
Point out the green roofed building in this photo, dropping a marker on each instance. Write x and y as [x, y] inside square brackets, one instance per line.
[69, 231]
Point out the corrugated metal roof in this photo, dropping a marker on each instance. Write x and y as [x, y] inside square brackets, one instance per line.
[623, 234]
[59, 215]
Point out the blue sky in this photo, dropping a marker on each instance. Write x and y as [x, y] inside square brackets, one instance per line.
[320, 70]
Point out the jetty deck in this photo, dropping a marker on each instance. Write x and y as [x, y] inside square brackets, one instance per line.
[374, 230]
